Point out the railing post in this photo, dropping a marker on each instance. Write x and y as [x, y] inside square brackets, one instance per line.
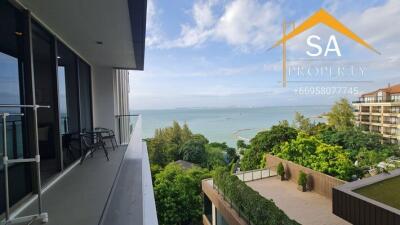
[65, 125]
[119, 130]
[14, 132]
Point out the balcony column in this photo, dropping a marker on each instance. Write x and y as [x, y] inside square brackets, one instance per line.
[121, 105]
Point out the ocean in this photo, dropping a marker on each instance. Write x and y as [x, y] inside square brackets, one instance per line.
[226, 124]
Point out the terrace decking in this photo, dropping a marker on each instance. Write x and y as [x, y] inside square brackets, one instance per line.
[304, 207]
[80, 197]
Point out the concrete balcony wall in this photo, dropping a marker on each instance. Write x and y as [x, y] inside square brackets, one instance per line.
[110, 91]
[103, 97]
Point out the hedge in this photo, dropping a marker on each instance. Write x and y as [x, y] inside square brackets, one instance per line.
[257, 209]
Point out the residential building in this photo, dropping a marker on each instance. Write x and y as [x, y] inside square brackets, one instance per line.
[73, 58]
[379, 111]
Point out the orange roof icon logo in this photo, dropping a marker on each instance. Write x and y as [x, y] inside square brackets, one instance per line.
[321, 16]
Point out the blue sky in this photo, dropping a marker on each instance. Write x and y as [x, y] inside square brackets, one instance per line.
[215, 53]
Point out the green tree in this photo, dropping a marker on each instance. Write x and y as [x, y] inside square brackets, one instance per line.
[370, 158]
[355, 140]
[303, 123]
[215, 157]
[165, 146]
[186, 133]
[264, 141]
[157, 151]
[240, 144]
[230, 152]
[194, 151]
[200, 138]
[178, 195]
[251, 159]
[311, 152]
[341, 115]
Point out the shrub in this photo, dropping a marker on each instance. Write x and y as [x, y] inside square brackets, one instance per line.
[280, 170]
[257, 209]
[302, 180]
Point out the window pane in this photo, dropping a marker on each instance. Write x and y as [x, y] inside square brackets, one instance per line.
[11, 40]
[45, 89]
[62, 100]
[85, 95]
[69, 103]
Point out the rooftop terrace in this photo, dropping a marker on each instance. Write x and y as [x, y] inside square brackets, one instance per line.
[305, 207]
[386, 192]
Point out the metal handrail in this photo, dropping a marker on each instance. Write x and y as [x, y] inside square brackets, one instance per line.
[127, 115]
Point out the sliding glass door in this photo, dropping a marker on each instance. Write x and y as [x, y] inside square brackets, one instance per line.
[85, 88]
[46, 94]
[11, 75]
[60, 79]
[68, 89]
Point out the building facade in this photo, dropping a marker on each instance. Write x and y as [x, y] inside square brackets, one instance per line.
[73, 57]
[379, 111]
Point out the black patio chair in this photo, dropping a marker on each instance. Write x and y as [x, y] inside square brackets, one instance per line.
[92, 142]
[108, 134]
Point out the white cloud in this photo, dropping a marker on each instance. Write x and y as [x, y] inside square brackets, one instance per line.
[252, 25]
[378, 26]
[194, 35]
[249, 23]
[246, 24]
[153, 34]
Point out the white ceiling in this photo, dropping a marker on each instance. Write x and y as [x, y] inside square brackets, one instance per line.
[81, 23]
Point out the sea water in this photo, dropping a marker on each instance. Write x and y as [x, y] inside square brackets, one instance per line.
[226, 124]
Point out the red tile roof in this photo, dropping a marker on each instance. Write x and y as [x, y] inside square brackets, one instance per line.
[391, 90]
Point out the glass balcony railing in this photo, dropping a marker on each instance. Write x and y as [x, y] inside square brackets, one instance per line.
[376, 100]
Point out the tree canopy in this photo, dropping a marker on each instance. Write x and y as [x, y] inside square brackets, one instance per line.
[311, 152]
[264, 142]
[177, 194]
[341, 116]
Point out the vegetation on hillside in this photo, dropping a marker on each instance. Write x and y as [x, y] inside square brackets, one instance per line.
[338, 148]
[177, 190]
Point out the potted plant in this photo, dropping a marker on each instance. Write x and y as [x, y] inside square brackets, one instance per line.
[281, 171]
[302, 181]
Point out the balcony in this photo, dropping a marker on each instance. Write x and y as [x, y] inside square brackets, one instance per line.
[376, 121]
[115, 192]
[376, 110]
[376, 100]
[389, 133]
[393, 110]
[390, 122]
